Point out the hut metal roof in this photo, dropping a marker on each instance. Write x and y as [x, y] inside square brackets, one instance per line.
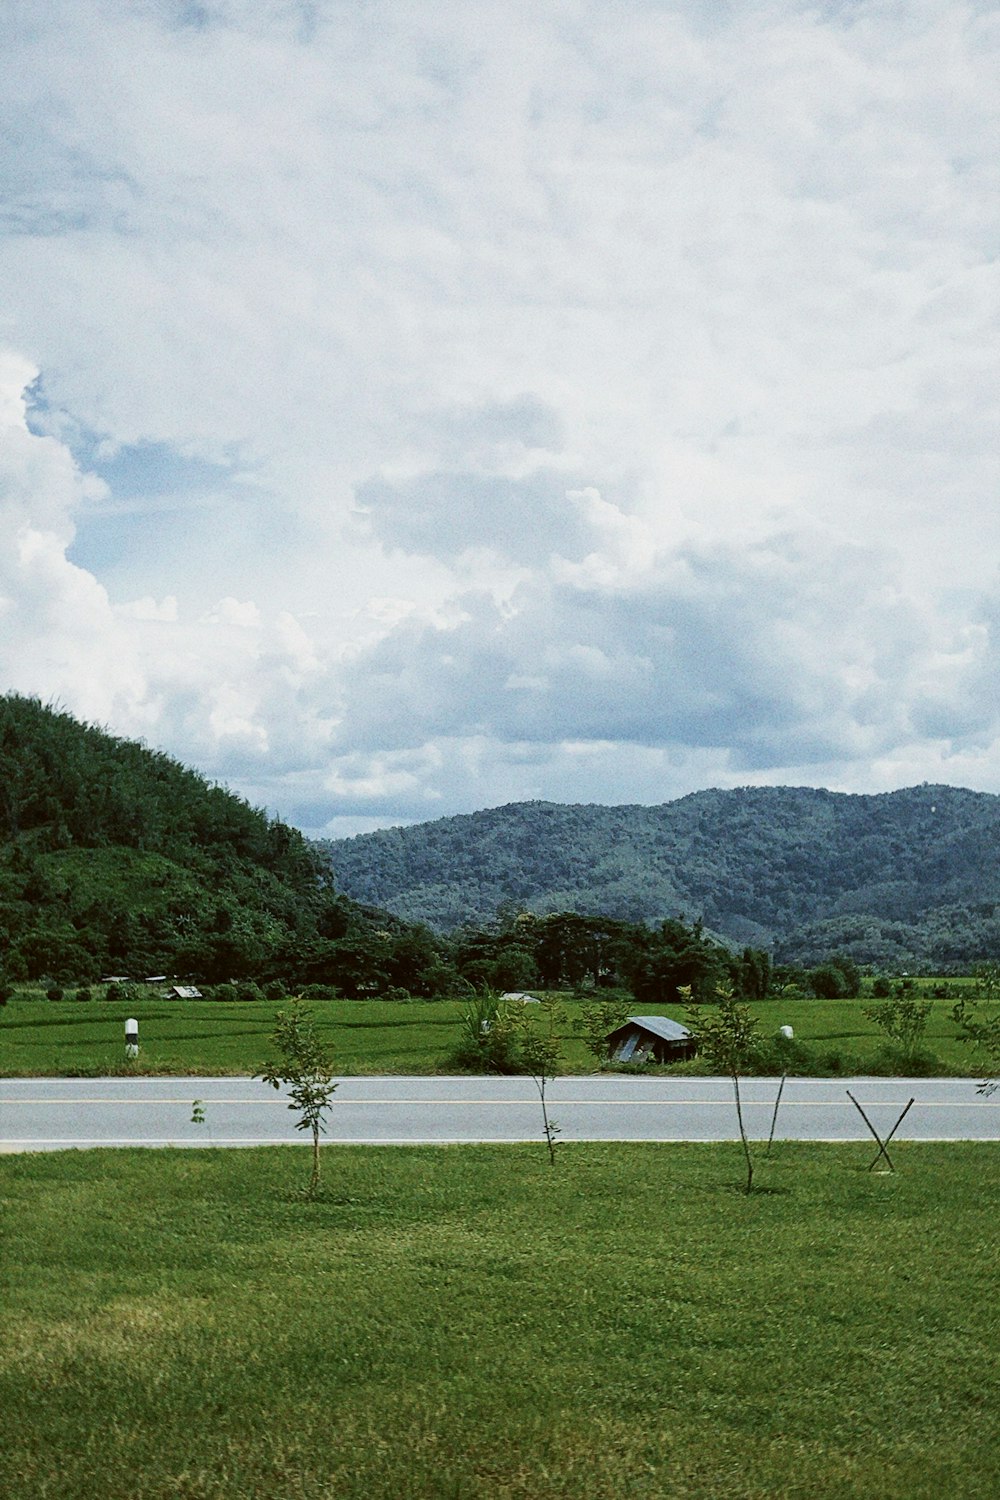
[661, 1026]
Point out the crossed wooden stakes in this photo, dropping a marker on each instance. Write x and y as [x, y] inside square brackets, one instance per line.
[881, 1144]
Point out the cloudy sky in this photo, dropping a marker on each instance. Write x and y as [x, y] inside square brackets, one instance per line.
[407, 408]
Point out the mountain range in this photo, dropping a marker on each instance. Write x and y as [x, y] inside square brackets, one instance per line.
[902, 880]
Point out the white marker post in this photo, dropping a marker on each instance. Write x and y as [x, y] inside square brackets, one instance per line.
[131, 1038]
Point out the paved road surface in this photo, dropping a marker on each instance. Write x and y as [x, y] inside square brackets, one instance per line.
[58, 1113]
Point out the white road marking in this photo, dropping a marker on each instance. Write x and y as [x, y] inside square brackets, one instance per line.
[210, 1102]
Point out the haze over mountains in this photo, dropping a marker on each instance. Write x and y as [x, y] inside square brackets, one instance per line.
[904, 879]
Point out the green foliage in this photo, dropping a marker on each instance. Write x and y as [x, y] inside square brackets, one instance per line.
[303, 1068]
[673, 960]
[728, 1040]
[595, 1020]
[977, 1015]
[114, 859]
[903, 1020]
[837, 979]
[540, 1051]
[750, 974]
[906, 880]
[489, 1034]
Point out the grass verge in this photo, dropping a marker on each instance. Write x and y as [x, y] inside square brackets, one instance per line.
[469, 1323]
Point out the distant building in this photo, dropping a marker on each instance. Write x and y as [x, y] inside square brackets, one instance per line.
[645, 1038]
[183, 992]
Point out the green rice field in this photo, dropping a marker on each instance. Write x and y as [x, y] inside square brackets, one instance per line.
[68, 1037]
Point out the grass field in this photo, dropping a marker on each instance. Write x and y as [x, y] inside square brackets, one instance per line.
[472, 1324]
[39, 1037]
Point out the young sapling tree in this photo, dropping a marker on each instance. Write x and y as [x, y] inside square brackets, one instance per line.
[541, 1054]
[726, 1034]
[977, 1016]
[305, 1070]
[902, 1019]
[596, 1020]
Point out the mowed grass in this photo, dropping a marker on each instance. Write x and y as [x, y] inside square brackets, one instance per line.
[471, 1323]
[39, 1037]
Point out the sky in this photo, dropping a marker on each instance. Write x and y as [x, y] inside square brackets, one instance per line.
[409, 408]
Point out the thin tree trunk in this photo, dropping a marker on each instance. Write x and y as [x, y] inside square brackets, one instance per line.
[540, 1086]
[314, 1179]
[774, 1117]
[743, 1134]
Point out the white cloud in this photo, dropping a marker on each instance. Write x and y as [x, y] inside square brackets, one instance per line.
[611, 377]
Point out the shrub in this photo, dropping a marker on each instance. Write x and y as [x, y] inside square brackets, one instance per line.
[83, 993]
[828, 982]
[396, 992]
[890, 1062]
[275, 989]
[224, 992]
[596, 1020]
[902, 1019]
[489, 1041]
[320, 992]
[881, 987]
[843, 1064]
[54, 992]
[122, 994]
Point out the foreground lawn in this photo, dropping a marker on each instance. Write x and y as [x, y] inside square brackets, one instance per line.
[39, 1038]
[468, 1322]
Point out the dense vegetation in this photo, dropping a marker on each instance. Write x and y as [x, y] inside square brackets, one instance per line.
[904, 880]
[116, 859]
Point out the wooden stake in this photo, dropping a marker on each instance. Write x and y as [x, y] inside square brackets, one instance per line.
[881, 1145]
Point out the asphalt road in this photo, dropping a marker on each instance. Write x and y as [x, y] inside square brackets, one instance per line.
[58, 1113]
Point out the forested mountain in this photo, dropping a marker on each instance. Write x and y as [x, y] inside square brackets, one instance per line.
[115, 858]
[906, 879]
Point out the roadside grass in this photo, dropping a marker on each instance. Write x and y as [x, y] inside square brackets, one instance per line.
[468, 1322]
[86, 1038]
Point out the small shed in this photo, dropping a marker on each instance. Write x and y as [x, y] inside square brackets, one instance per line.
[517, 997]
[642, 1038]
[183, 992]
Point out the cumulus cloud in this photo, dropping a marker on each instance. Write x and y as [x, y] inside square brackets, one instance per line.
[452, 403]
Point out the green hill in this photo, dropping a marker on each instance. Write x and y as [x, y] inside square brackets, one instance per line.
[906, 879]
[116, 859]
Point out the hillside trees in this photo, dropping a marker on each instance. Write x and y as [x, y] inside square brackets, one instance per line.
[114, 858]
[908, 880]
[660, 964]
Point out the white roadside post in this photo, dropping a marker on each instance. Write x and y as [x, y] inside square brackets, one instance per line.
[131, 1038]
